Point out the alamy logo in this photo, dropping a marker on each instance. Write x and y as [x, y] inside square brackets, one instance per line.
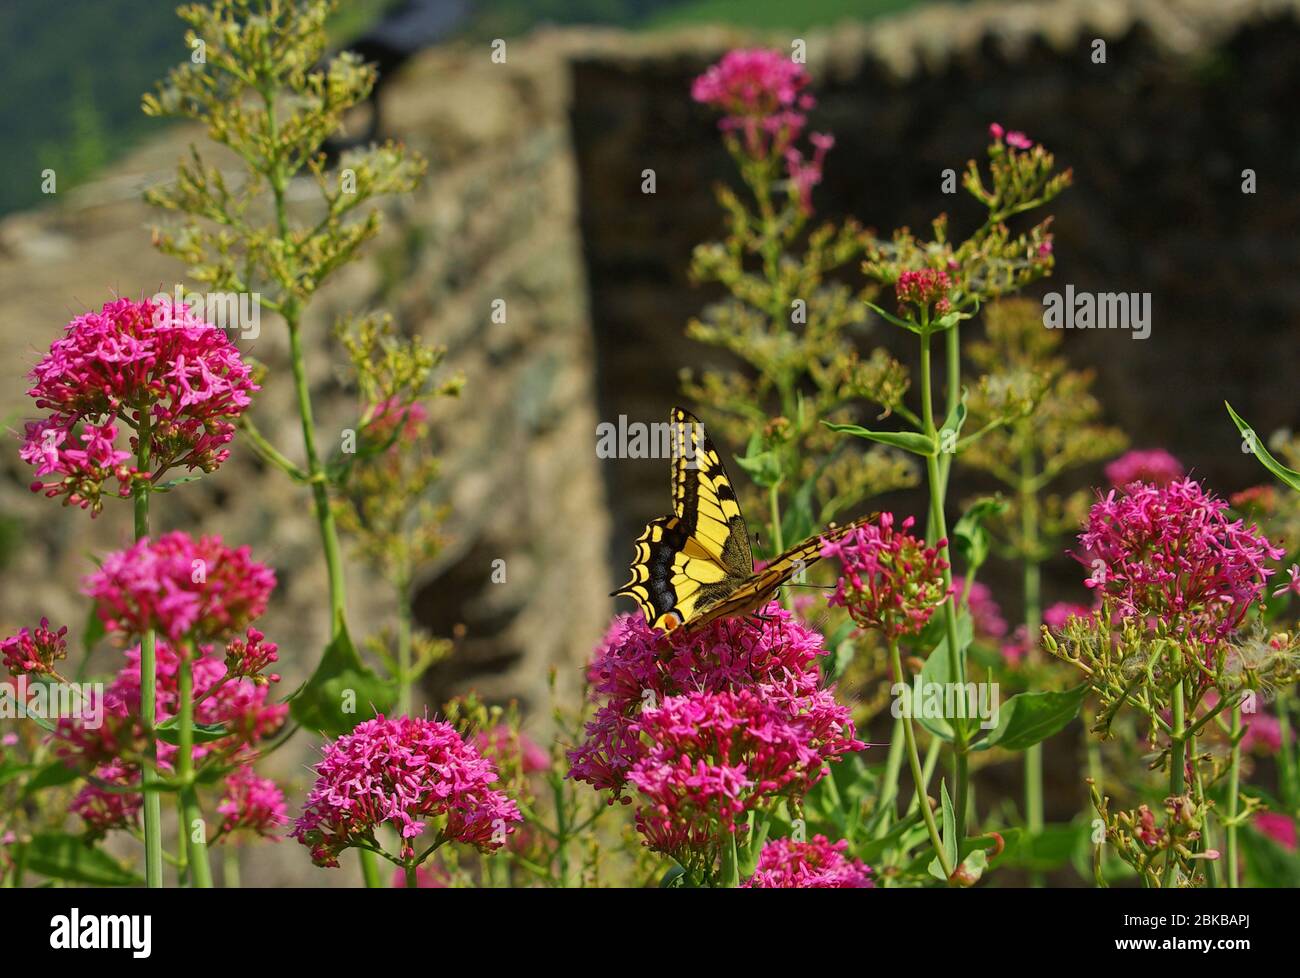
[640, 440]
[21, 700]
[1098, 310]
[98, 932]
[233, 312]
[946, 701]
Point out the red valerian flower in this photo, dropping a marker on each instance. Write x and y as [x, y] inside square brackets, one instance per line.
[816, 864]
[181, 587]
[1155, 466]
[1278, 827]
[1170, 555]
[759, 91]
[252, 804]
[35, 652]
[891, 581]
[636, 667]
[712, 757]
[403, 772]
[104, 809]
[924, 287]
[133, 363]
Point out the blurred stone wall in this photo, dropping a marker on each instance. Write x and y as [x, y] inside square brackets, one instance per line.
[533, 196]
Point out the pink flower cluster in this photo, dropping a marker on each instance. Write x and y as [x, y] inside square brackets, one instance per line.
[1155, 466]
[758, 90]
[387, 417]
[891, 580]
[1278, 827]
[1170, 554]
[712, 757]
[703, 727]
[180, 586]
[250, 656]
[924, 287]
[1015, 139]
[402, 771]
[252, 804]
[34, 651]
[986, 615]
[762, 96]
[130, 362]
[817, 864]
[101, 807]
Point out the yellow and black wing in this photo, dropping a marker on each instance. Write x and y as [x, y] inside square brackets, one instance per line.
[696, 566]
[759, 588]
[694, 558]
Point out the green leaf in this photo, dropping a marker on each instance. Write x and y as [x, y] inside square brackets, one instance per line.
[764, 468]
[69, 857]
[1049, 849]
[52, 775]
[969, 536]
[887, 317]
[173, 483]
[1289, 476]
[341, 680]
[876, 848]
[911, 441]
[940, 668]
[12, 770]
[956, 420]
[949, 839]
[1030, 718]
[169, 732]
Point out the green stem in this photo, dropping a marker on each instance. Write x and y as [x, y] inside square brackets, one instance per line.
[153, 861]
[1033, 596]
[1177, 763]
[193, 827]
[919, 778]
[412, 879]
[730, 862]
[316, 472]
[939, 531]
[404, 630]
[1287, 775]
[885, 801]
[289, 309]
[370, 869]
[230, 866]
[561, 831]
[1234, 791]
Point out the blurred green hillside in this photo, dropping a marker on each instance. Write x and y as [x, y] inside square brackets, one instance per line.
[74, 70]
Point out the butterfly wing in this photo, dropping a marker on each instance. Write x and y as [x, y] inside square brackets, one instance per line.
[696, 557]
[757, 590]
[703, 497]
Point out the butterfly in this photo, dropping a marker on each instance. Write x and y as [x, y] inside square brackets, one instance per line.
[696, 566]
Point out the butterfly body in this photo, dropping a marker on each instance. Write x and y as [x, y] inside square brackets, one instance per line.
[696, 566]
